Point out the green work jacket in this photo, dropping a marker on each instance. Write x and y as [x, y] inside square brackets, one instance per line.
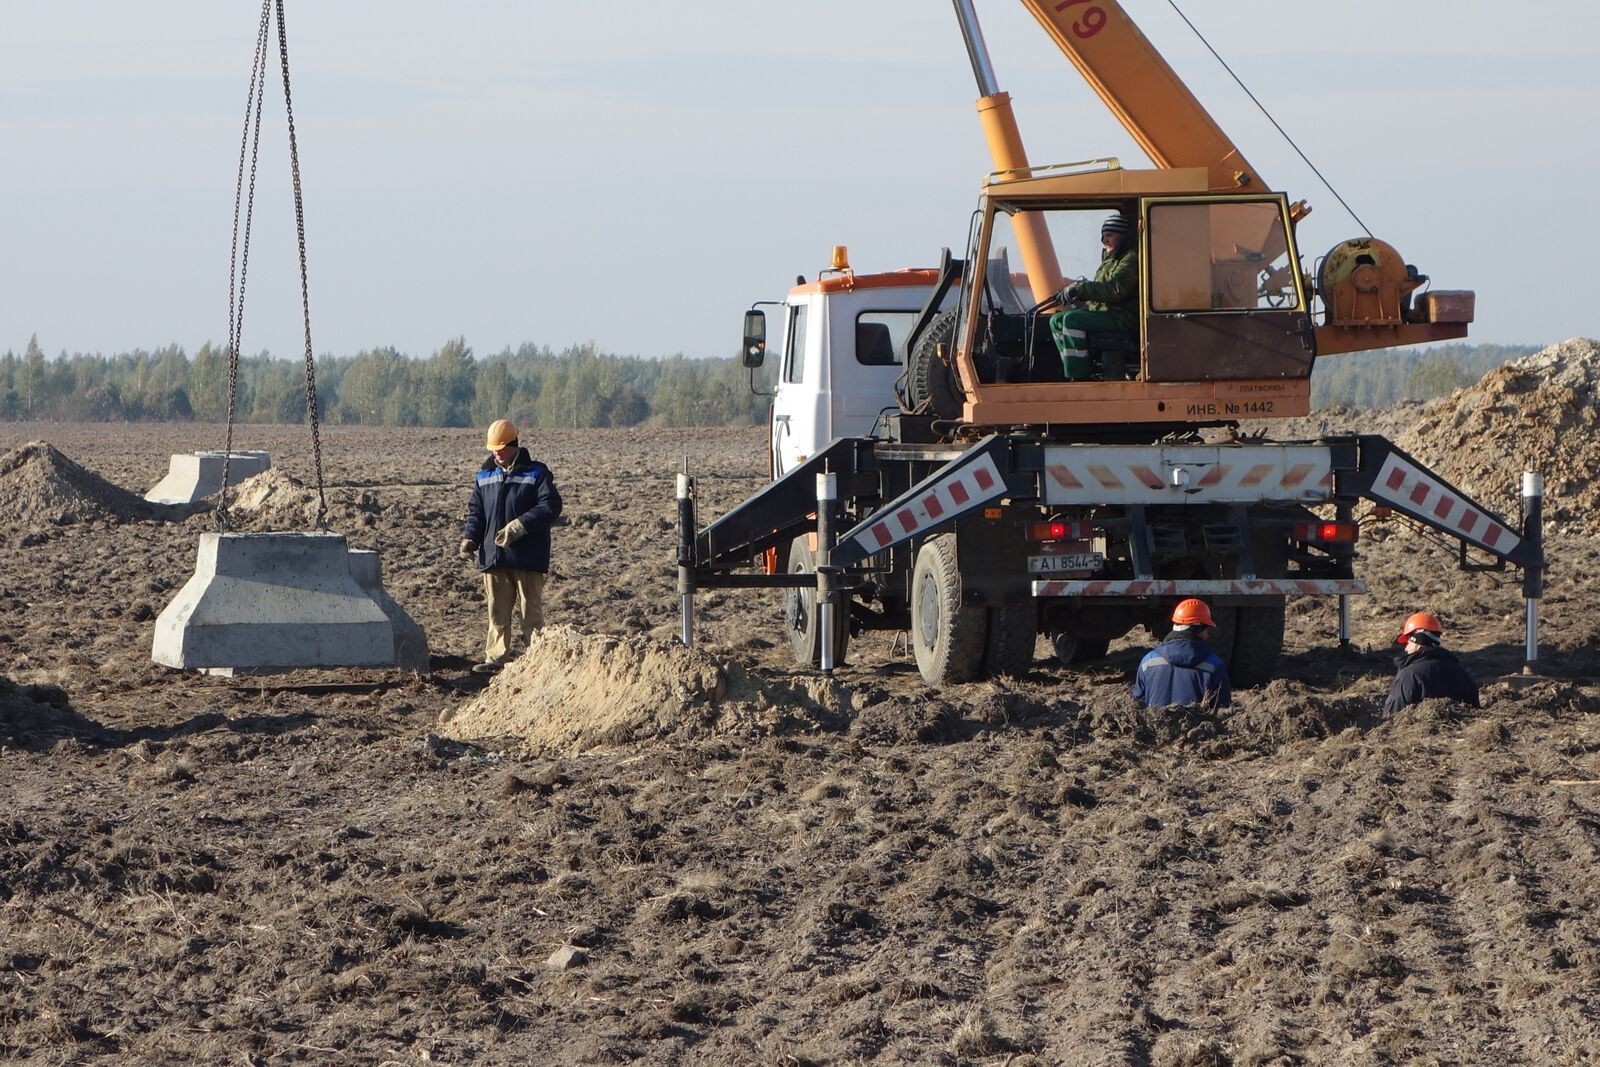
[1115, 288]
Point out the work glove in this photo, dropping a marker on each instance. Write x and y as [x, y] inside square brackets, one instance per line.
[510, 533]
[1069, 295]
[468, 550]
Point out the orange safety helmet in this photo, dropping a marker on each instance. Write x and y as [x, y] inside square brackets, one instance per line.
[501, 433]
[1420, 620]
[1192, 612]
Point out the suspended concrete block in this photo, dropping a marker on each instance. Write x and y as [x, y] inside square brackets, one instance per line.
[273, 601]
[410, 643]
[197, 475]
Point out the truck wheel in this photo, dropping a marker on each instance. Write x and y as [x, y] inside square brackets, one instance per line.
[800, 617]
[947, 636]
[1013, 634]
[1073, 651]
[1257, 644]
[931, 383]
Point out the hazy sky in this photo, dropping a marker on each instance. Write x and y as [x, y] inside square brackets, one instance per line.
[635, 174]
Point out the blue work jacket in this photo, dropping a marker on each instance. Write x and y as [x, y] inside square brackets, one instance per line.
[1182, 670]
[526, 491]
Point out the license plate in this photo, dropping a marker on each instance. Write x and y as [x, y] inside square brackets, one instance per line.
[1073, 561]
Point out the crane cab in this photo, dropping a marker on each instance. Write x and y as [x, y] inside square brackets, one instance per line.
[1222, 330]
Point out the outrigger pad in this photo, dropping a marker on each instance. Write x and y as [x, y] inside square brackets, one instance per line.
[410, 643]
[265, 601]
[197, 475]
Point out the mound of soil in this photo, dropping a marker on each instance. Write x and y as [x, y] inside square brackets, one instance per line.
[572, 692]
[37, 716]
[272, 500]
[1538, 413]
[40, 486]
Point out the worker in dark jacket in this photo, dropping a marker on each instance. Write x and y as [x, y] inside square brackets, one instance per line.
[1426, 670]
[1183, 669]
[513, 505]
[1109, 303]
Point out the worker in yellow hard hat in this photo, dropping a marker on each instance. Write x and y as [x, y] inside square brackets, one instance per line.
[1183, 669]
[514, 503]
[1426, 669]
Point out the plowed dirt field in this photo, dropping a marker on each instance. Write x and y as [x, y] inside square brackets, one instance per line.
[621, 851]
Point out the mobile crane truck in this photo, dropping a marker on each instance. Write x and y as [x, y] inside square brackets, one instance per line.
[934, 471]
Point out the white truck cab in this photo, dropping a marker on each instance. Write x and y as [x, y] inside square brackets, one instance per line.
[838, 352]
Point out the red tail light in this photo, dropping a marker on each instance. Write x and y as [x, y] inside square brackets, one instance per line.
[1060, 531]
[1327, 532]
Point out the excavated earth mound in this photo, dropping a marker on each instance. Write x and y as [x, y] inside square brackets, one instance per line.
[42, 487]
[272, 500]
[38, 716]
[572, 692]
[1538, 413]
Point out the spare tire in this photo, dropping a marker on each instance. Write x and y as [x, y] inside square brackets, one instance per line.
[931, 384]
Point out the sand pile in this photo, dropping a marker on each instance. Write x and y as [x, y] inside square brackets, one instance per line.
[40, 486]
[571, 692]
[272, 500]
[1538, 413]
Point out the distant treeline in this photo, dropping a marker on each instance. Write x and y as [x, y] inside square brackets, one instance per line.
[535, 386]
[532, 385]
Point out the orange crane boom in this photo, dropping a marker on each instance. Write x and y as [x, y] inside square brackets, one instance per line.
[1142, 91]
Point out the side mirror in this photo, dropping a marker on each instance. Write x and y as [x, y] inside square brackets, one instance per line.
[755, 339]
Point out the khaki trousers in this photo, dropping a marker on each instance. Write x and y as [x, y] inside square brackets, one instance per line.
[505, 588]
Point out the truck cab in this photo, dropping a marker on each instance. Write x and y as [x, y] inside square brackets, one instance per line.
[840, 352]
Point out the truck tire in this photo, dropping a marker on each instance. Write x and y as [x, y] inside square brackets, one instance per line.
[947, 635]
[1073, 651]
[1257, 644]
[931, 383]
[800, 617]
[1013, 635]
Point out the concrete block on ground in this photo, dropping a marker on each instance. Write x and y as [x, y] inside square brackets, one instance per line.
[410, 643]
[196, 475]
[273, 600]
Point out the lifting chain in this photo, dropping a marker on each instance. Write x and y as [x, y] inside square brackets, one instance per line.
[240, 255]
[305, 289]
[238, 266]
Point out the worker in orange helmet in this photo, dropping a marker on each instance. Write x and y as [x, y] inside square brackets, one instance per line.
[514, 503]
[1427, 671]
[1184, 669]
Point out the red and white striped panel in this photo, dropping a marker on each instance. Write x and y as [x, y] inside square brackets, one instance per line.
[1203, 587]
[1414, 491]
[973, 484]
[1155, 474]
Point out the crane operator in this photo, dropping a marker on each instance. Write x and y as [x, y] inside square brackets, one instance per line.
[1109, 303]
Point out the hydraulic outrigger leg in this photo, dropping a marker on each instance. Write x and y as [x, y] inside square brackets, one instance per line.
[686, 556]
[1533, 575]
[827, 617]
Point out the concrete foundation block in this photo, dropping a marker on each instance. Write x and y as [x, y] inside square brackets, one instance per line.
[197, 475]
[273, 600]
[410, 643]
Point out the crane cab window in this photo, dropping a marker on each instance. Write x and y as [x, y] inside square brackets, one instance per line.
[1221, 256]
[794, 349]
[1074, 235]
